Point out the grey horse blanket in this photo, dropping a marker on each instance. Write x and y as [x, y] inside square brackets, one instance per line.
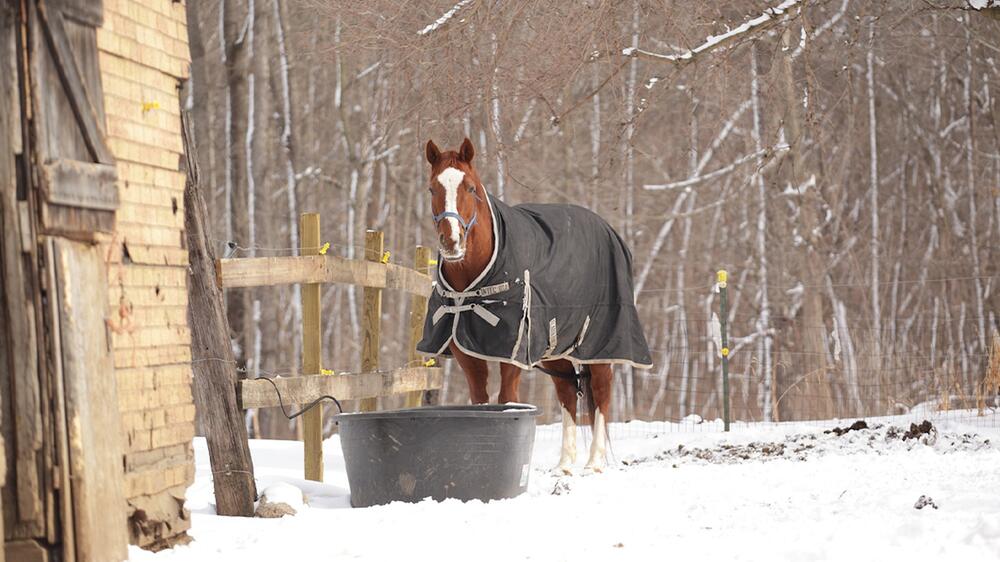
[558, 286]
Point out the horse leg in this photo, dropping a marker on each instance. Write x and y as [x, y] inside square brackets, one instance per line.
[600, 388]
[566, 391]
[510, 381]
[476, 373]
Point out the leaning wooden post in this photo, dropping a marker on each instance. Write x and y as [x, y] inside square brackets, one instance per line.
[212, 361]
[418, 312]
[724, 312]
[374, 246]
[312, 421]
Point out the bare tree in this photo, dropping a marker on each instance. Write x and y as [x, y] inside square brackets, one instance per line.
[849, 192]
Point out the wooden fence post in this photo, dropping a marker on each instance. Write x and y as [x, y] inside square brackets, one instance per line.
[374, 246]
[312, 421]
[418, 312]
[212, 361]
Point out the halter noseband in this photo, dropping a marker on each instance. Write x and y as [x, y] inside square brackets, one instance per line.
[467, 226]
[458, 217]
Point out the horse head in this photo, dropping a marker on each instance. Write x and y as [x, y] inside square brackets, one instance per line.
[457, 196]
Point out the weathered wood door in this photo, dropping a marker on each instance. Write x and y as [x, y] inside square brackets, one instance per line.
[63, 497]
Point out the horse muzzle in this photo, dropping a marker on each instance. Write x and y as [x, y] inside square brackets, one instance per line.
[452, 255]
[452, 248]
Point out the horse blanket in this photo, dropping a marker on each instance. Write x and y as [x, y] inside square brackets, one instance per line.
[558, 286]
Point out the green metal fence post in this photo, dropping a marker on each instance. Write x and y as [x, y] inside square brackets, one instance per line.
[722, 277]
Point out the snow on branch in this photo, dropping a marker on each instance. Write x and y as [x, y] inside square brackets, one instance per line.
[983, 4]
[767, 152]
[768, 18]
[445, 17]
[823, 28]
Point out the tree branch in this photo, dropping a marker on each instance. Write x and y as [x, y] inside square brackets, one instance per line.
[769, 18]
[444, 17]
[767, 153]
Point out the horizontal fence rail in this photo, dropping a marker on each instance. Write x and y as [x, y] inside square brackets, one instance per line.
[259, 393]
[261, 272]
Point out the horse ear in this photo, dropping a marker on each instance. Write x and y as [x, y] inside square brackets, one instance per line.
[433, 154]
[466, 152]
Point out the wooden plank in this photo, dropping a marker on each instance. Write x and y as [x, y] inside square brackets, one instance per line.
[19, 374]
[10, 131]
[25, 551]
[259, 272]
[72, 80]
[75, 222]
[214, 381]
[372, 316]
[312, 421]
[80, 184]
[88, 12]
[62, 453]
[418, 313]
[57, 133]
[259, 393]
[93, 430]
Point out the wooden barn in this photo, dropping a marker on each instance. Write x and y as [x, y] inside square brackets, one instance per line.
[97, 410]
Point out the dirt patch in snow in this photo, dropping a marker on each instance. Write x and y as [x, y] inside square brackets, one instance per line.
[838, 431]
[925, 428]
[858, 438]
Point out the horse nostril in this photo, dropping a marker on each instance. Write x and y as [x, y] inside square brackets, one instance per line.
[441, 239]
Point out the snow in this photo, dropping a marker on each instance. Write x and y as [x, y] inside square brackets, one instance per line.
[444, 17]
[712, 41]
[983, 4]
[784, 491]
[801, 189]
[283, 492]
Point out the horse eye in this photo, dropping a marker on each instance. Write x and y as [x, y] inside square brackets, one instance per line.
[471, 189]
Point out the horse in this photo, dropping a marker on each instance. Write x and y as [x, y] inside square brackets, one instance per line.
[510, 278]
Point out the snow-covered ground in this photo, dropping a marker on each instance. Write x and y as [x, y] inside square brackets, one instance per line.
[678, 492]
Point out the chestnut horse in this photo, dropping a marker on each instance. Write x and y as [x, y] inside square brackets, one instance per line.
[464, 222]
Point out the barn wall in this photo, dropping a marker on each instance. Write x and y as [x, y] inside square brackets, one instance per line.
[143, 56]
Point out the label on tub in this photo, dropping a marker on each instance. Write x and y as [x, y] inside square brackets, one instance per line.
[524, 476]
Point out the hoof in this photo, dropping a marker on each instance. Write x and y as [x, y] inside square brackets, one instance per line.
[564, 469]
[595, 468]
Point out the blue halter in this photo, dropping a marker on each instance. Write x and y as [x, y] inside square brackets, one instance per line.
[458, 217]
[467, 226]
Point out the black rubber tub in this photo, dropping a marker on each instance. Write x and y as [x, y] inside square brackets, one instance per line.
[465, 452]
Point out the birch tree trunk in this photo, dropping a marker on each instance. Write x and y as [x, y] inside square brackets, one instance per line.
[873, 171]
[970, 163]
[764, 318]
[253, 335]
[684, 398]
[595, 148]
[630, 131]
[495, 120]
[808, 182]
[291, 186]
[237, 59]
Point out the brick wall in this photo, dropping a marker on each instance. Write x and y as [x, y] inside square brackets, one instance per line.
[143, 57]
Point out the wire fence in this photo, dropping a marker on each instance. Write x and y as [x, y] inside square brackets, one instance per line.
[930, 358]
[932, 362]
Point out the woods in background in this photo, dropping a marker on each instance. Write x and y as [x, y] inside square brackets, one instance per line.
[840, 158]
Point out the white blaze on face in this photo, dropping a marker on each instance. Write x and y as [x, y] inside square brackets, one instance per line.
[451, 179]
